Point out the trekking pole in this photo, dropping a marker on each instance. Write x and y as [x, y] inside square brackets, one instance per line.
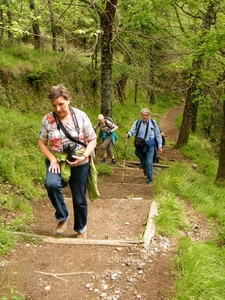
[116, 153]
[114, 145]
[124, 159]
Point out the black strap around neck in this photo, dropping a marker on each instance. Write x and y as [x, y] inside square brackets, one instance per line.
[75, 122]
[60, 126]
[139, 125]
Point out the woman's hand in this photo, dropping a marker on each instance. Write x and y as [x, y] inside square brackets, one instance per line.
[54, 166]
[78, 159]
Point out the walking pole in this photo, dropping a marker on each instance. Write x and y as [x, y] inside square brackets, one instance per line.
[114, 145]
[116, 153]
[124, 159]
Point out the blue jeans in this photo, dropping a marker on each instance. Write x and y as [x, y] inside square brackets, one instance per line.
[146, 159]
[78, 185]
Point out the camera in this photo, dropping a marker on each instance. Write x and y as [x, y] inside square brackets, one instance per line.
[70, 150]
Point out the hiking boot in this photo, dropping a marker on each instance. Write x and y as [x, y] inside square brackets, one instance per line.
[103, 161]
[61, 226]
[113, 162]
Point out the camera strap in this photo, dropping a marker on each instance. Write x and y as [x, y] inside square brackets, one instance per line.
[60, 126]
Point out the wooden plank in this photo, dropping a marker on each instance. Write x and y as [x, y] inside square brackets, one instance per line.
[150, 228]
[135, 164]
[75, 241]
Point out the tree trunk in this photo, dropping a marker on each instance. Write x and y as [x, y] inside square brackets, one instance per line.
[9, 23]
[151, 76]
[194, 114]
[121, 87]
[208, 21]
[191, 108]
[221, 168]
[186, 121]
[196, 67]
[135, 92]
[2, 22]
[35, 27]
[53, 26]
[107, 57]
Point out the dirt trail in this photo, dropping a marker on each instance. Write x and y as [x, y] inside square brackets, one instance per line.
[58, 272]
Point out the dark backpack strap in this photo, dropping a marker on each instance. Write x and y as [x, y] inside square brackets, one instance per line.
[107, 124]
[156, 141]
[138, 127]
[153, 123]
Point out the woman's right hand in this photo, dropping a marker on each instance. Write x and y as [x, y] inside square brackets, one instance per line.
[54, 166]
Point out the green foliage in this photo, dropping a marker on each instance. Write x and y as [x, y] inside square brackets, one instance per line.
[21, 163]
[7, 164]
[171, 217]
[103, 169]
[7, 241]
[15, 295]
[20, 222]
[200, 265]
[205, 159]
[201, 271]
[34, 72]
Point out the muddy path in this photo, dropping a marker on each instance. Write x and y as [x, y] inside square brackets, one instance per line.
[42, 270]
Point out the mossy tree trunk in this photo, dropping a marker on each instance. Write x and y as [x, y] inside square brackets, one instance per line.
[35, 27]
[107, 19]
[187, 116]
[53, 26]
[221, 167]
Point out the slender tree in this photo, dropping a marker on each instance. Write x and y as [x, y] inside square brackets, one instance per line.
[35, 26]
[191, 105]
[220, 177]
[53, 26]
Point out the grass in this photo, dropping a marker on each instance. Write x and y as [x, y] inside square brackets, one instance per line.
[7, 240]
[200, 271]
[200, 265]
[14, 295]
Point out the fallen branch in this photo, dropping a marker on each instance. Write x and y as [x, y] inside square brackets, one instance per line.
[56, 275]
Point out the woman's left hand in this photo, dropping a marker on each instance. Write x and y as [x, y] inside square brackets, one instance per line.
[78, 159]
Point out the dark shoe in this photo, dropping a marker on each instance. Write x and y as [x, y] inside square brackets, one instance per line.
[103, 161]
[149, 182]
[61, 226]
[113, 162]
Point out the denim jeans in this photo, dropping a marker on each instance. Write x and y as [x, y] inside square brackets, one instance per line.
[146, 159]
[78, 185]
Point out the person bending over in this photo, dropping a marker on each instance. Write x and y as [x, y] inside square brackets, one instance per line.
[67, 161]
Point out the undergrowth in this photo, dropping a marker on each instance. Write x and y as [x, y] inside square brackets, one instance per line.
[200, 264]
